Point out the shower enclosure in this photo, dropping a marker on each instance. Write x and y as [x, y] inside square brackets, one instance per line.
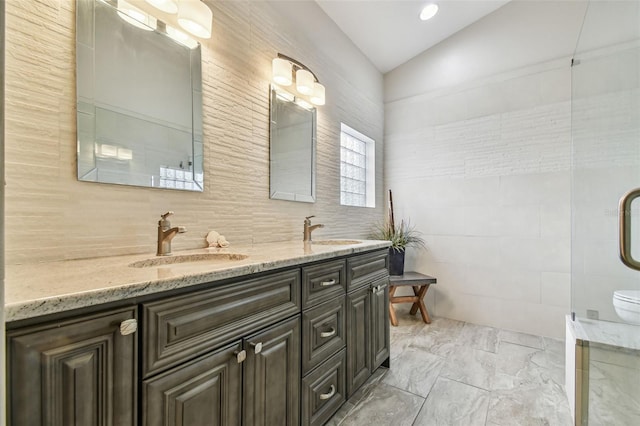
[603, 330]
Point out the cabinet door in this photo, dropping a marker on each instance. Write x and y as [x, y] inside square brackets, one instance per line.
[272, 376]
[206, 391]
[379, 322]
[358, 338]
[75, 372]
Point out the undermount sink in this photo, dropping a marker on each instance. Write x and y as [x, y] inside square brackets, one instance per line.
[336, 242]
[188, 258]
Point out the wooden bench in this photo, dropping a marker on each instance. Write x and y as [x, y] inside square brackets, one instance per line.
[420, 284]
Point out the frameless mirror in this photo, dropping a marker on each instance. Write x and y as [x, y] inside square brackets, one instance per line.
[139, 101]
[292, 148]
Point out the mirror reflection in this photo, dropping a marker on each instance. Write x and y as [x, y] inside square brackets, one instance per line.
[139, 101]
[292, 147]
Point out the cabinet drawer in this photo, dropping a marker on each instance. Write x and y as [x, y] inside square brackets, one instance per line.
[323, 329]
[180, 328]
[361, 270]
[323, 391]
[322, 282]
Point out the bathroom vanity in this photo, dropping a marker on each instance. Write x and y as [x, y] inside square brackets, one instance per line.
[282, 336]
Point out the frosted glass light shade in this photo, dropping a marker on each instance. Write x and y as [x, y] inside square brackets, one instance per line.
[317, 97]
[167, 6]
[195, 17]
[281, 69]
[304, 82]
[136, 17]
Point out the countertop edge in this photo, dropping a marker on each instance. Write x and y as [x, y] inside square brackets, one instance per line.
[120, 292]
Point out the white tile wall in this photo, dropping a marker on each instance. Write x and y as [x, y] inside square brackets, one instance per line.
[51, 216]
[484, 173]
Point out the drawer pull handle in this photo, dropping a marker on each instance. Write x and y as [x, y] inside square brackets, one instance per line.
[240, 356]
[129, 326]
[332, 391]
[328, 283]
[330, 333]
[379, 288]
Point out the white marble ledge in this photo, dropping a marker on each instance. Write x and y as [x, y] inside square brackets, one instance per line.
[33, 290]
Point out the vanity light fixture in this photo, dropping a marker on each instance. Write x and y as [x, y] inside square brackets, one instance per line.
[136, 17]
[193, 15]
[306, 81]
[429, 11]
[167, 6]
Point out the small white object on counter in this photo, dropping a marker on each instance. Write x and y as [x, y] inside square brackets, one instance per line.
[222, 241]
[214, 239]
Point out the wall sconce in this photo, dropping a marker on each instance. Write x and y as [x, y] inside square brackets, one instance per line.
[306, 81]
[193, 16]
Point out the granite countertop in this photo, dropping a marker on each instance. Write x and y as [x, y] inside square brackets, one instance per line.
[32, 290]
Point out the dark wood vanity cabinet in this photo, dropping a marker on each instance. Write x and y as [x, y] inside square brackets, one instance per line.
[283, 348]
[256, 379]
[367, 317]
[77, 372]
[323, 341]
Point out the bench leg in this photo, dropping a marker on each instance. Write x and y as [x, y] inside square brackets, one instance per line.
[421, 305]
[392, 311]
[415, 306]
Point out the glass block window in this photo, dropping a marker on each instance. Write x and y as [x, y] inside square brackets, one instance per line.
[357, 168]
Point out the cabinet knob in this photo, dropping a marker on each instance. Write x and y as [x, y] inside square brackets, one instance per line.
[325, 334]
[257, 347]
[129, 326]
[328, 283]
[332, 391]
[240, 355]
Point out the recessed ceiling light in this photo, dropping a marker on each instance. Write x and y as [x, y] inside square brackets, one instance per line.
[429, 11]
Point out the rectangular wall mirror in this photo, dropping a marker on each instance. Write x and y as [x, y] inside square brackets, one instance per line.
[292, 148]
[139, 101]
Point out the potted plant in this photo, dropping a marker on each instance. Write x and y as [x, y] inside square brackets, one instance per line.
[401, 236]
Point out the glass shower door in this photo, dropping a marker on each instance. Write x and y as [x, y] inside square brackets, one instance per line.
[605, 168]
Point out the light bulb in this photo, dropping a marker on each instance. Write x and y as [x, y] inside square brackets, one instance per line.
[429, 11]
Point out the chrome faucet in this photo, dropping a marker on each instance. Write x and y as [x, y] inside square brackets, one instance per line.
[308, 228]
[166, 234]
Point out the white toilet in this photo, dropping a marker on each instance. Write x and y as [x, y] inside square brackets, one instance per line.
[627, 305]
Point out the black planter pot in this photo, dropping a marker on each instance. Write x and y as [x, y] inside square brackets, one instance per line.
[396, 262]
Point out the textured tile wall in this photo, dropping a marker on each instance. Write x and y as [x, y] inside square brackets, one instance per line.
[484, 172]
[51, 216]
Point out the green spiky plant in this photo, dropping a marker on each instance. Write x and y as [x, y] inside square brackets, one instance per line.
[401, 236]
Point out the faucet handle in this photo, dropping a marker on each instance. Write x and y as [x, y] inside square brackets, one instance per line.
[166, 215]
[309, 217]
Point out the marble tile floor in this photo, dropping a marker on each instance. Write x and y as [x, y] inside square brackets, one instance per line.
[456, 373]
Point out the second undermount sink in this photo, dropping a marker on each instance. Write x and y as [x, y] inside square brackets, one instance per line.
[200, 258]
[336, 242]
